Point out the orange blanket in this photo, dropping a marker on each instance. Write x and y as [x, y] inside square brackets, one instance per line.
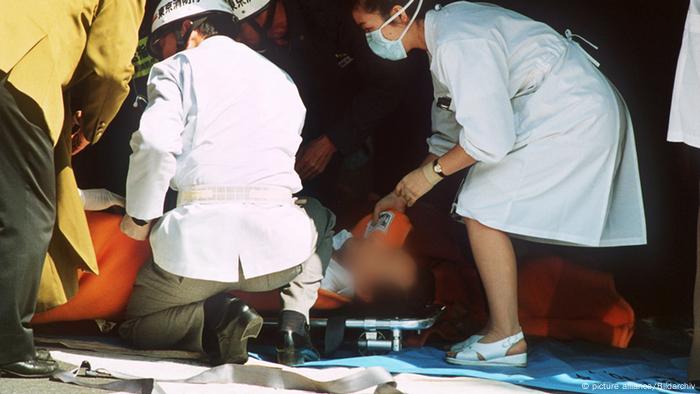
[567, 301]
[103, 296]
[557, 299]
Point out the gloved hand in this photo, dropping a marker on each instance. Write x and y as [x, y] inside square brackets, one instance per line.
[390, 201]
[100, 199]
[417, 183]
[133, 230]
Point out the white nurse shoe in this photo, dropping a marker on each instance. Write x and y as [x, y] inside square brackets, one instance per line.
[459, 346]
[490, 354]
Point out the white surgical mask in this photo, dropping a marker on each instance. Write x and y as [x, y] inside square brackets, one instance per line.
[388, 49]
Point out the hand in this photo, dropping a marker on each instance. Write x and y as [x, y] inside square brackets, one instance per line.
[100, 199]
[133, 230]
[313, 158]
[415, 185]
[390, 201]
[78, 140]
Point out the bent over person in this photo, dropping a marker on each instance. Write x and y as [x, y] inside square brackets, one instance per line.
[222, 128]
[57, 58]
[548, 138]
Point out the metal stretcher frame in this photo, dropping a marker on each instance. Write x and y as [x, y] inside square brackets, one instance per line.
[372, 339]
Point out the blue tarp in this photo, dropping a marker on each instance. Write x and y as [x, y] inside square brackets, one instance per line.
[575, 367]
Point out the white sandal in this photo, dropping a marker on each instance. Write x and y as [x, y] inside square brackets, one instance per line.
[490, 354]
[458, 347]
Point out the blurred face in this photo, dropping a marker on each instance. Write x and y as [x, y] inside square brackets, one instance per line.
[372, 265]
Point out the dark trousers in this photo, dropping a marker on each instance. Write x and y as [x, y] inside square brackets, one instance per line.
[27, 216]
[694, 362]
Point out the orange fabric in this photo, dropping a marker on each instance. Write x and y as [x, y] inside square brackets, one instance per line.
[556, 299]
[566, 301]
[328, 300]
[392, 228]
[103, 296]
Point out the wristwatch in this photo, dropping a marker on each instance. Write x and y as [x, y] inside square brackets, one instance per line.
[437, 168]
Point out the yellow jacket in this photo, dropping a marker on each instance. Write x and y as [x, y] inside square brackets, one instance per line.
[68, 55]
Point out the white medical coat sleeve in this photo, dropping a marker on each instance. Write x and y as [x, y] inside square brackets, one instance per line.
[439, 143]
[684, 122]
[475, 72]
[157, 142]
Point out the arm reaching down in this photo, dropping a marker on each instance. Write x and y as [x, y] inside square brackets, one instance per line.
[100, 199]
[157, 142]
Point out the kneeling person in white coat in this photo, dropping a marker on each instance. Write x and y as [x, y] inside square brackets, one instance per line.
[222, 128]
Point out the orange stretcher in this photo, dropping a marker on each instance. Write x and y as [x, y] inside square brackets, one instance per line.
[557, 299]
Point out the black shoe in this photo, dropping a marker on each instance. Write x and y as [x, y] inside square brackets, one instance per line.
[226, 341]
[33, 368]
[294, 346]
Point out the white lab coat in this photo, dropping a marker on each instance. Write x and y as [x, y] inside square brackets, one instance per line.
[684, 123]
[220, 114]
[553, 140]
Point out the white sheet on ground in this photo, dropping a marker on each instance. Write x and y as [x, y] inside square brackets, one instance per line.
[163, 370]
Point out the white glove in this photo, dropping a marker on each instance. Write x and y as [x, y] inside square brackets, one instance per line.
[100, 199]
[133, 230]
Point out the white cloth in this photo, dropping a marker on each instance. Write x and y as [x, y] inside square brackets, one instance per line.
[220, 114]
[553, 140]
[337, 279]
[684, 123]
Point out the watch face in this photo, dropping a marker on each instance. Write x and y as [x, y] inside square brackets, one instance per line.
[438, 168]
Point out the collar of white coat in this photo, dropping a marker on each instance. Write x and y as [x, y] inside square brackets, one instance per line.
[429, 29]
[217, 40]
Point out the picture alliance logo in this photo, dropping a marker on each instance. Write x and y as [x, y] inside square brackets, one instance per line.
[635, 386]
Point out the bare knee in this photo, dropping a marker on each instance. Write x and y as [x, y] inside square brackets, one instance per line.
[476, 229]
[474, 225]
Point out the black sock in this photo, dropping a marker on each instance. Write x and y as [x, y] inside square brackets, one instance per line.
[293, 321]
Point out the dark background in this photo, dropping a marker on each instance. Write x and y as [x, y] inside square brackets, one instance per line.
[639, 43]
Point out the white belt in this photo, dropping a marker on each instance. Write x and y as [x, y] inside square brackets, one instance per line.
[210, 194]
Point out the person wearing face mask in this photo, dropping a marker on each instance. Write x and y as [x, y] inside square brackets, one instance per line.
[349, 93]
[548, 139]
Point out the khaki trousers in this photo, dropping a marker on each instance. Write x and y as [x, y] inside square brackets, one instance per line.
[166, 311]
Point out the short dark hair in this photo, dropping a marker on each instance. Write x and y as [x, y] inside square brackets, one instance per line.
[216, 24]
[384, 6]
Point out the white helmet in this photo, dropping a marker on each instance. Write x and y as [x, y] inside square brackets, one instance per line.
[170, 11]
[243, 9]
